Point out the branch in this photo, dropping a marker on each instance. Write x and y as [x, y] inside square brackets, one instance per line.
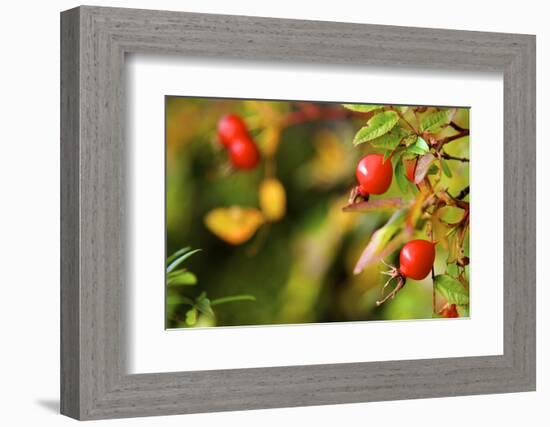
[461, 134]
[449, 200]
[449, 157]
[463, 193]
[457, 127]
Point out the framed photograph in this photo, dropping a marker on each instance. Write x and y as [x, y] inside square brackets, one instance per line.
[262, 213]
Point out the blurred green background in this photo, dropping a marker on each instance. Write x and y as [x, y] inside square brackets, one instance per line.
[299, 269]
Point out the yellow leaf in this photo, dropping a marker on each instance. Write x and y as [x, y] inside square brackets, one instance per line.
[235, 224]
[272, 199]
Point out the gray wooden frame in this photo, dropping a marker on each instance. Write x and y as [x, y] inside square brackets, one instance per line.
[94, 41]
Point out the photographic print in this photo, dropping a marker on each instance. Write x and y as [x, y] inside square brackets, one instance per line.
[296, 212]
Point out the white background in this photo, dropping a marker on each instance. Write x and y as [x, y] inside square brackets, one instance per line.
[152, 349]
[29, 218]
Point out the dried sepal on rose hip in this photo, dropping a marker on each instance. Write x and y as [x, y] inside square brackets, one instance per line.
[416, 260]
[374, 176]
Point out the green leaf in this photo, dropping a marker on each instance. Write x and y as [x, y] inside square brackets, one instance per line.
[390, 140]
[176, 254]
[179, 300]
[434, 120]
[178, 260]
[233, 298]
[402, 108]
[377, 126]
[451, 289]
[445, 168]
[410, 139]
[452, 269]
[181, 278]
[422, 144]
[420, 147]
[379, 239]
[191, 317]
[400, 175]
[203, 305]
[362, 108]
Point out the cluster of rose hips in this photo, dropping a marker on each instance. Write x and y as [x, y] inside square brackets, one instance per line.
[374, 176]
[234, 136]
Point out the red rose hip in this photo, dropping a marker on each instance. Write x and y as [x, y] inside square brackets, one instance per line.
[374, 174]
[244, 153]
[416, 259]
[231, 126]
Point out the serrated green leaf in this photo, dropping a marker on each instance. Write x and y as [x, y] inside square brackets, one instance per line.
[402, 108]
[181, 278]
[445, 168]
[178, 260]
[362, 108]
[390, 140]
[421, 143]
[420, 147]
[451, 289]
[411, 139]
[377, 126]
[434, 120]
[400, 175]
[452, 269]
